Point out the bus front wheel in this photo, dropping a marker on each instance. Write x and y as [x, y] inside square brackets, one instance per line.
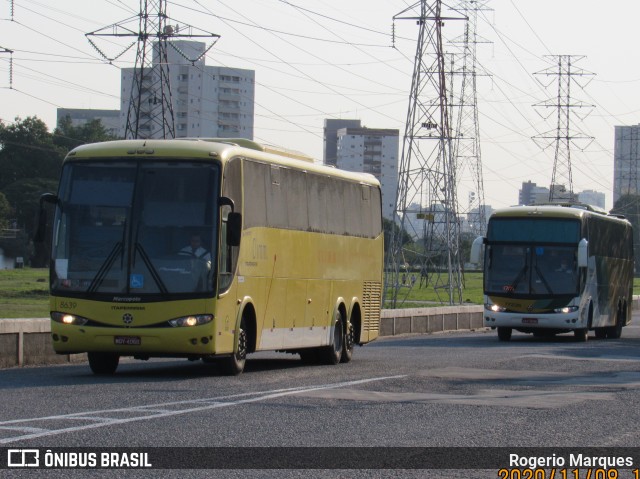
[103, 363]
[234, 364]
[504, 334]
[581, 335]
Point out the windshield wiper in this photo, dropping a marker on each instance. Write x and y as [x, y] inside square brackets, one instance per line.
[106, 266]
[518, 278]
[544, 281]
[154, 272]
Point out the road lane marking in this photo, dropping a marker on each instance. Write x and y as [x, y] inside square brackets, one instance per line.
[97, 418]
[531, 399]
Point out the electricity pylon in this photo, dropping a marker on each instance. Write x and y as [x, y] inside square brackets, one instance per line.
[426, 203]
[565, 135]
[467, 130]
[150, 112]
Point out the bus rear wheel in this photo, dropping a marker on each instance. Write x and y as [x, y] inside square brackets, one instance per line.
[103, 363]
[348, 343]
[332, 354]
[614, 332]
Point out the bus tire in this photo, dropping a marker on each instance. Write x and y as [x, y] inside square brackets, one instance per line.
[103, 364]
[234, 364]
[581, 335]
[332, 354]
[504, 334]
[348, 343]
[614, 332]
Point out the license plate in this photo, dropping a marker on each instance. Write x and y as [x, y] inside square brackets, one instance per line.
[127, 340]
[530, 320]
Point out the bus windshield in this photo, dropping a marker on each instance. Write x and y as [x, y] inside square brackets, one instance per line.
[527, 256]
[531, 270]
[139, 229]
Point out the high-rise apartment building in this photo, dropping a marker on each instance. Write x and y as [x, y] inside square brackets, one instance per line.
[532, 194]
[592, 197]
[207, 101]
[375, 151]
[110, 119]
[330, 147]
[626, 161]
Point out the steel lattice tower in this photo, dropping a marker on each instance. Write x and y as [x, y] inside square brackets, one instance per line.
[426, 200]
[467, 144]
[150, 112]
[561, 188]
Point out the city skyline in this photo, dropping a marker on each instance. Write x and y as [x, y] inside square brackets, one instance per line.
[334, 60]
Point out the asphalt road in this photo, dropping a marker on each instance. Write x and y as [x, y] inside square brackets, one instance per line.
[453, 390]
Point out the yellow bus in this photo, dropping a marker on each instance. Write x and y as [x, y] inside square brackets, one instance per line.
[557, 268]
[212, 248]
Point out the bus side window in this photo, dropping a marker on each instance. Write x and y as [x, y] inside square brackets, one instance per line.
[228, 255]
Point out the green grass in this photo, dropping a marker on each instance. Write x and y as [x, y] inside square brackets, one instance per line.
[24, 293]
[428, 296]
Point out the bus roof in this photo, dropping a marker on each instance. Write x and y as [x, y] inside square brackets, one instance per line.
[222, 149]
[561, 210]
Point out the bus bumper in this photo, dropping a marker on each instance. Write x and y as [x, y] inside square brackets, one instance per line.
[535, 321]
[178, 342]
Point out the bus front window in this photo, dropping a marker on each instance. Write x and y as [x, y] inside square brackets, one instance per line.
[173, 243]
[535, 270]
[125, 228]
[88, 250]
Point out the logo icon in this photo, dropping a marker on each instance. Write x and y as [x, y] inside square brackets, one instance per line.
[23, 458]
[127, 318]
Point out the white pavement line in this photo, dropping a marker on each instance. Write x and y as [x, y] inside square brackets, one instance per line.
[259, 396]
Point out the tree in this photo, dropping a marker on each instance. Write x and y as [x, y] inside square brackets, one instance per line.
[25, 196]
[27, 151]
[5, 211]
[68, 136]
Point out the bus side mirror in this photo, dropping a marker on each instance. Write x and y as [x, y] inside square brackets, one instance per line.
[583, 253]
[476, 250]
[234, 229]
[41, 229]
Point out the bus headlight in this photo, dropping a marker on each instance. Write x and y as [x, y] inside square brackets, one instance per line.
[66, 318]
[193, 320]
[495, 308]
[566, 309]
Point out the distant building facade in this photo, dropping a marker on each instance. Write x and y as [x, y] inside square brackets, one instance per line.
[375, 151]
[330, 138]
[110, 119]
[532, 194]
[592, 197]
[626, 161]
[207, 101]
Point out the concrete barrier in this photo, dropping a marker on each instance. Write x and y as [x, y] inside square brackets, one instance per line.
[27, 341]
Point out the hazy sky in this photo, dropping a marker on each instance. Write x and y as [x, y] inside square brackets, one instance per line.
[334, 59]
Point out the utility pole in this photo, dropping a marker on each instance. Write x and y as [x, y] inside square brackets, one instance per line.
[564, 136]
[426, 202]
[467, 146]
[150, 112]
